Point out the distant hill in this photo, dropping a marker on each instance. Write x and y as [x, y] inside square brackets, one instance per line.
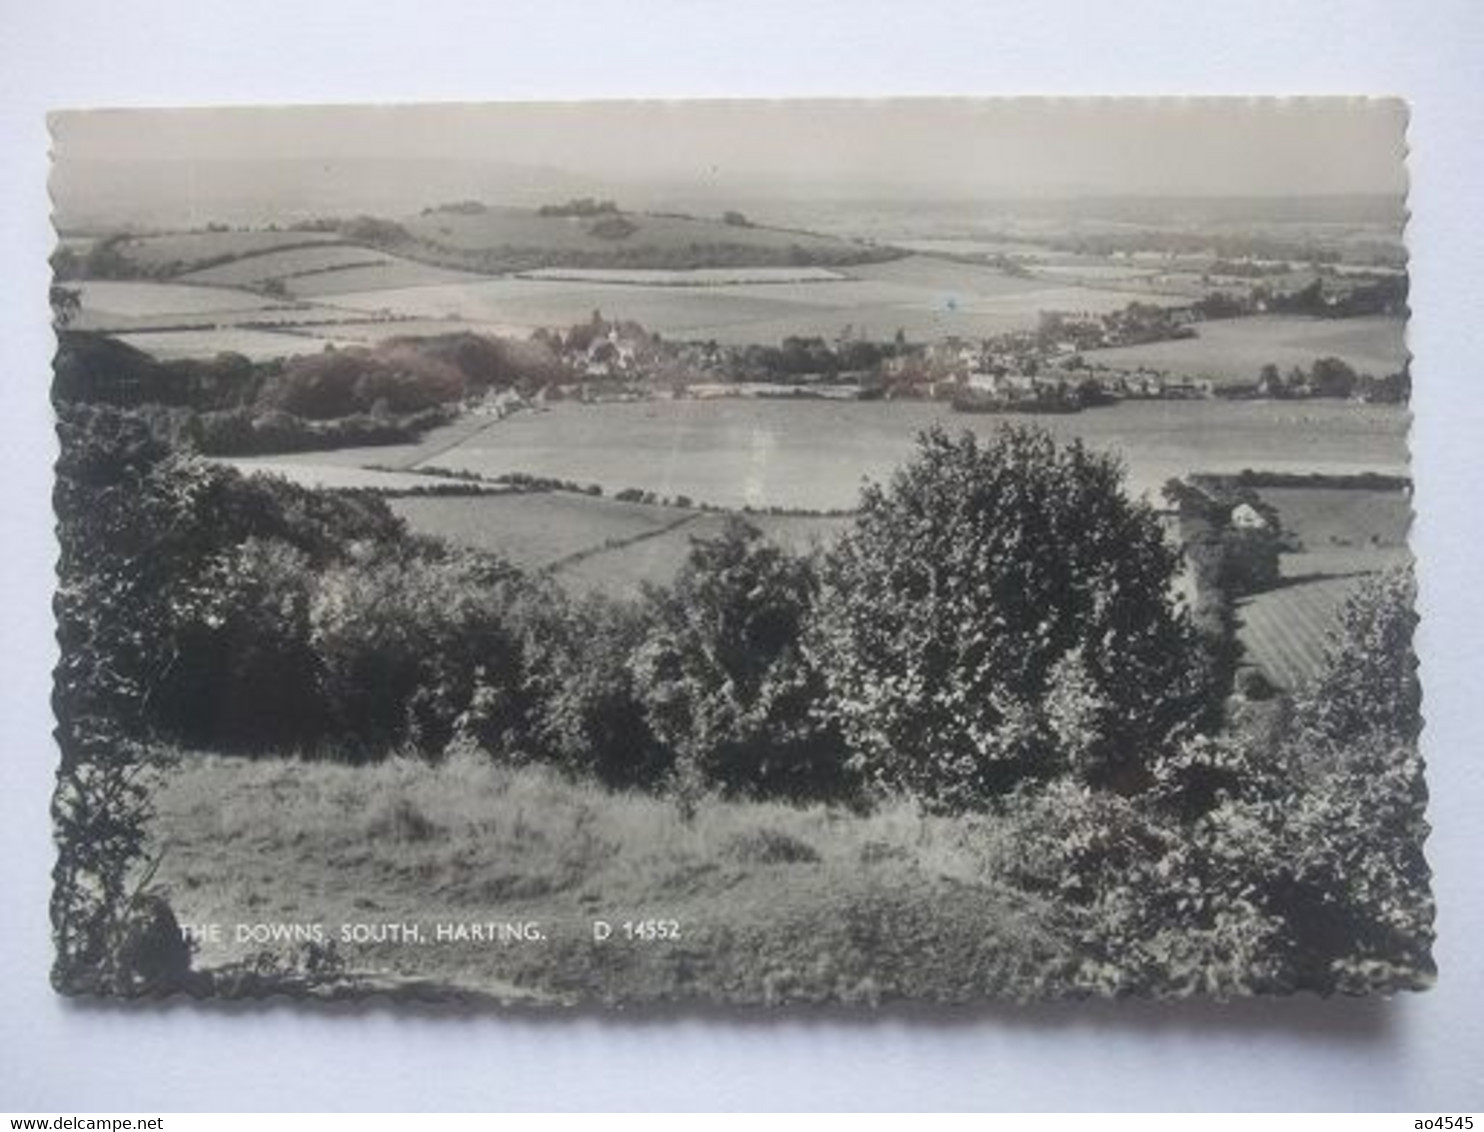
[500, 238]
[467, 236]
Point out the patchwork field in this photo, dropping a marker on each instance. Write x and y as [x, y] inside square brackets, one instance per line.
[358, 328]
[1233, 351]
[812, 455]
[757, 453]
[927, 298]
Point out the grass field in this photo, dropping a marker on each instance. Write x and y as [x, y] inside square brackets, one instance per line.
[258, 345]
[693, 277]
[927, 298]
[122, 307]
[1233, 351]
[103, 299]
[341, 477]
[811, 455]
[1342, 531]
[771, 903]
[527, 304]
[1346, 536]
[361, 330]
[537, 529]
[389, 273]
[1286, 631]
[285, 264]
[190, 248]
[814, 455]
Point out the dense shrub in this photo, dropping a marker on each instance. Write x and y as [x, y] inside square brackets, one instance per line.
[1001, 609]
[1258, 865]
[95, 368]
[184, 583]
[115, 528]
[339, 383]
[416, 649]
[489, 362]
[243, 675]
[589, 717]
[1235, 561]
[1358, 897]
[724, 679]
[1158, 906]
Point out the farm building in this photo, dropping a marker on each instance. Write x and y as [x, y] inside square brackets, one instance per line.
[1246, 517]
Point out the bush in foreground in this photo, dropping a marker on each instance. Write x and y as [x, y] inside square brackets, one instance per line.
[1001, 611]
[723, 676]
[1258, 866]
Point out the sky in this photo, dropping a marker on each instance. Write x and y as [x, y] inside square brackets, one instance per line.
[925, 147]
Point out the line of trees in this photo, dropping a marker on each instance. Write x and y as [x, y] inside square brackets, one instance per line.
[996, 634]
[229, 405]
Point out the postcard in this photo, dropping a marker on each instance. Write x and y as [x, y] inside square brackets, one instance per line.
[736, 552]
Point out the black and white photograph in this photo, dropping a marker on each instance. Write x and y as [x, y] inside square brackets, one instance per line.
[736, 552]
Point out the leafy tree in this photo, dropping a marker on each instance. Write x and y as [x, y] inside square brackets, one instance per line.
[410, 646]
[1332, 377]
[1368, 685]
[1346, 822]
[330, 385]
[724, 679]
[589, 717]
[1314, 842]
[1001, 610]
[245, 676]
[116, 510]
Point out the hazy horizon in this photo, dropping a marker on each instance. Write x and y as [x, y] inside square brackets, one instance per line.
[253, 164]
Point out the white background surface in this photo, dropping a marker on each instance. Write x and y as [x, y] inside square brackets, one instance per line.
[1421, 1053]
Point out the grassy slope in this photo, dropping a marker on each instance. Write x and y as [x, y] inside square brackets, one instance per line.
[774, 903]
